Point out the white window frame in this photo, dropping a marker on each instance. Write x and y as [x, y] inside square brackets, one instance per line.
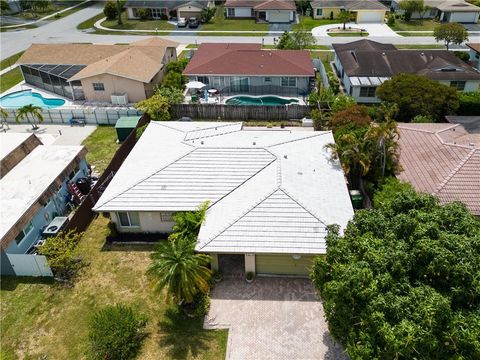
[230, 12]
[319, 12]
[287, 81]
[129, 219]
[458, 85]
[25, 233]
[98, 86]
[368, 90]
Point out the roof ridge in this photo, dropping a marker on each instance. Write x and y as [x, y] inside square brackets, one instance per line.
[209, 136]
[300, 139]
[454, 172]
[449, 143]
[301, 205]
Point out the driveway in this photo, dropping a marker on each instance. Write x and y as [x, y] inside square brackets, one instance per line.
[279, 27]
[272, 318]
[375, 30]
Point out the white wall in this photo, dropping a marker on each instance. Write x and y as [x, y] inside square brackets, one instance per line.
[130, 13]
[243, 12]
[150, 222]
[471, 85]
[250, 263]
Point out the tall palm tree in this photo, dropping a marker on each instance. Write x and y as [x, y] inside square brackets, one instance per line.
[119, 11]
[178, 269]
[384, 138]
[4, 116]
[31, 113]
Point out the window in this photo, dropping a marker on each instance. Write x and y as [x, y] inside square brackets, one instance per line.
[158, 13]
[128, 219]
[289, 81]
[26, 230]
[231, 12]
[319, 12]
[268, 79]
[367, 91]
[203, 79]
[98, 87]
[459, 85]
[166, 216]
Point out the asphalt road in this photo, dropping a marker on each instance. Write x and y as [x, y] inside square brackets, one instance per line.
[64, 31]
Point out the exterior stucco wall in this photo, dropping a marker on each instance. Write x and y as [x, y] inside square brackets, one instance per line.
[241, 12]
[150, 222]
[113, 84]
[326, 12]
[471, 85]
[250, 263]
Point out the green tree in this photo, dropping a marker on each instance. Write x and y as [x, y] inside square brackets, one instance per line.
[178, 269]
[116, 333]
[402, 281]
[356, 115]
[412, 6]
[156, 106]
[450, 33]
[469, 103]
[31, 113]
[119, 12]
[177, 66]
[298, 39]
[174, 79]
[342, 102]
[207, 14]
[173, 94]
[110, 10]
[188, 223]
[3, 114]
[417, 95]
[344, 17]
[4, 6]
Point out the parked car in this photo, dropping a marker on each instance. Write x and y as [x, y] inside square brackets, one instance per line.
[193, 23]
[182, 22]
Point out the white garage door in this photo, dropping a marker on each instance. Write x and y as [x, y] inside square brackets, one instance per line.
[370, 16]
[466, 17]
[279, 16]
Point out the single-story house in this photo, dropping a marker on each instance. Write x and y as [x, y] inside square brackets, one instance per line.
[271, 11]
[364, 65]
[33, 192]
[458, 11]
[271, 193]
[246, 68]
[474, 53]
[165, 9]
[119, 74]
[444, 160]
[366, 11]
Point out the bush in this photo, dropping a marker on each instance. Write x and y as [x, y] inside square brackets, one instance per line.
[356, 115]
[422, 119]
[320, 120]
[469, 103]
[342, 102]
[391, 20]
[200, 305]
[144, 14]
[462, 55]
[333, 82]
[116, 332]
[110, 10]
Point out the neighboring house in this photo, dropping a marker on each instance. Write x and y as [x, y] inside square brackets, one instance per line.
[246, 68]
[271, 11]
[167, 8]
[366, 11]
[364, 65]
[474, 54]
[444, 160]
[458, 11]
[33, 192]
[119, 74]
[271, 193]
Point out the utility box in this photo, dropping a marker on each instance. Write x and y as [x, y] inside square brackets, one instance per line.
[357, 199]
[125, 125]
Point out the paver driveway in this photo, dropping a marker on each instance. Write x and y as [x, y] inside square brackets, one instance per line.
[272, 318]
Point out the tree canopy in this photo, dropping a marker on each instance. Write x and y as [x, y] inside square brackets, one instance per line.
[418, 95]
[296, 40]
[450, 33]
[403, 282]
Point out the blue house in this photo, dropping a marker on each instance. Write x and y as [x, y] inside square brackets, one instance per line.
[33, 192]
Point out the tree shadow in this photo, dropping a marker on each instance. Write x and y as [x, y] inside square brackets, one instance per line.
[10, 283]
[183, 336]
[335, 351]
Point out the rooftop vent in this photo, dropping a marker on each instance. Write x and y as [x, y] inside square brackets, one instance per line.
[201, 142]
[254, 143]
[299, 173]
[285, 156]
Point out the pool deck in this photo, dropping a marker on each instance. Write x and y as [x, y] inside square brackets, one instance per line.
[215, 99]
[46, 94]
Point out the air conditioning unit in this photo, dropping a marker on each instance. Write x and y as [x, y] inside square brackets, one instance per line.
[119, 99]
[55, 226]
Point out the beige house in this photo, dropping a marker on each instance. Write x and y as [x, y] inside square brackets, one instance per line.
[364, 11]
[119, 74]
[166, 9]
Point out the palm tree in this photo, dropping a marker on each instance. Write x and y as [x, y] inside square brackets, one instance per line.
[344, 17]
[178, 269]
[119, 11]
[384, 138]
[4, 115]
[31, 113]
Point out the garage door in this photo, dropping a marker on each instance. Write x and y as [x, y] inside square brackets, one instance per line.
[189, 14]
[466, 17]
[279, 16]
[370, 16]
[282, 264]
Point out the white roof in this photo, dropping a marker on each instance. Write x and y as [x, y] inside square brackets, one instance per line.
[271, 191]
[28, 180]
[10, 141]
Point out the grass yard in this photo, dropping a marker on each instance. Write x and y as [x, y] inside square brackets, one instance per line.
[7, 62]
[308, 23]
[52, 8]
[42, 320]
[414, 25]
[219, 23]
[101, 146]
[88, 24]
[10, 79]
[137, 24]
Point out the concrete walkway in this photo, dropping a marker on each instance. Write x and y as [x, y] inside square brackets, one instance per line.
[375, 30]
[272, 319]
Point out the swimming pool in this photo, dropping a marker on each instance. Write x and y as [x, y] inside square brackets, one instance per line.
[260, 100]
[26, 97]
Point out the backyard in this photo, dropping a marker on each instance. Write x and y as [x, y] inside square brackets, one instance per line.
[12, 77]
[55, 317]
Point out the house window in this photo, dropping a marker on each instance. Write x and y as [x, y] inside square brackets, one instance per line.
[128, 219]
[158, 13]
[98, 87]
[203, 79]
[166, 216]
[231, 12]
[319, 12]
[289, 81]
[459, 85]
[367, 91]
[268, 79]
[26, 230]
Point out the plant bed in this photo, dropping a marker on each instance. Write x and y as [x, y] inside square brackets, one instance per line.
[139, 238]
[249, 277]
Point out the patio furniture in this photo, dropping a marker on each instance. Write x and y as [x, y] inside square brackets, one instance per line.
[80, 121]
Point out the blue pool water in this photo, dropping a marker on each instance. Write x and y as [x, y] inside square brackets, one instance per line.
[260, 100]
[26, 97]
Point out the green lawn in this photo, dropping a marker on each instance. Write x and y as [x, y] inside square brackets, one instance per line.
[138, 24]
[325, 56]
[42, 320]
[415, 34]
[219, 23]
[308, 23]
[88, 24]
[414, 25]
[7, 62]
[59, 5]
[350, 34]
[10, 79]
[101, 146]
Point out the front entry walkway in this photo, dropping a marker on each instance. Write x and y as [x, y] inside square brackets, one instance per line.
[270, 319]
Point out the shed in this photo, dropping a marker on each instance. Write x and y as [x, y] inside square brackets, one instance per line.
[125, 125]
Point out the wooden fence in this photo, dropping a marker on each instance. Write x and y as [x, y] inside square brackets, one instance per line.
[240, 112]
[84, 213]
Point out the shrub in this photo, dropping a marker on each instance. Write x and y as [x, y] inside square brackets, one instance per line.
[462, 55]
[354, 115]
[333, 82]
[116, 332]
[422, 119]
[200, 305]
[391, 20]
[110, 10]
[342, 102]
[320, 120]
[174, 80]
[144, 14]
[469, 103]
